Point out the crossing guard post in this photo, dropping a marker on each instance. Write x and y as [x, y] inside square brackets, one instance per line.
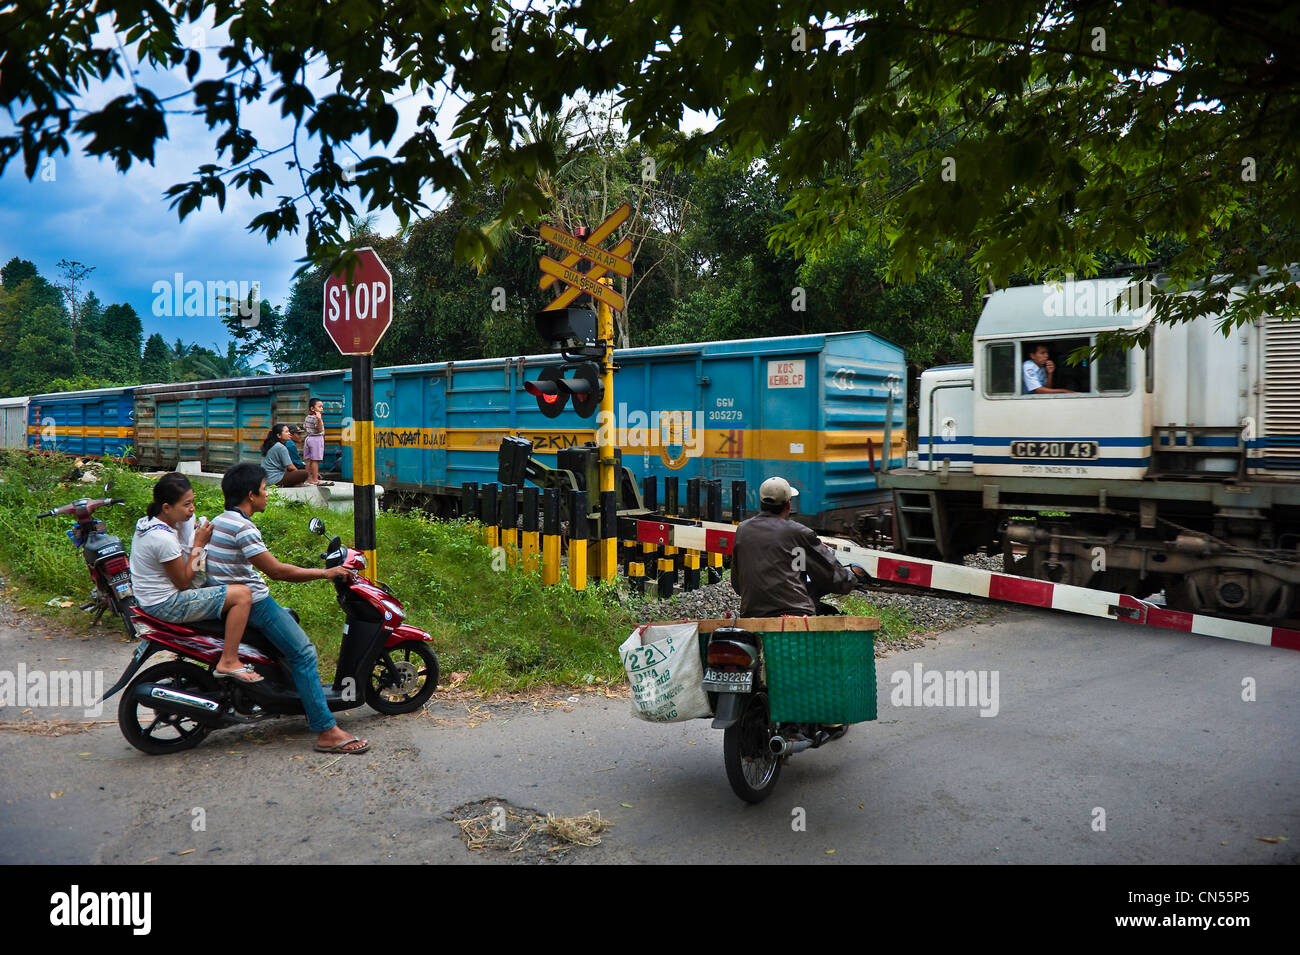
[358, 310]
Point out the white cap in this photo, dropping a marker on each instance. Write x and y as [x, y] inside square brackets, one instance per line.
[776, 490]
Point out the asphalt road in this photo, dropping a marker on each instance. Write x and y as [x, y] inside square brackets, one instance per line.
[1110, 743]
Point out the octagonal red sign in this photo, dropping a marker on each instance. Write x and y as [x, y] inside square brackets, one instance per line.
[359, 311]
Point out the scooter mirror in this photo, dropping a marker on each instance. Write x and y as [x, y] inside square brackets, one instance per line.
[316, 526]
[108, 489]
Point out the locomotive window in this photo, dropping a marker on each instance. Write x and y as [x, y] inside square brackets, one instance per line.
[1000, 360]
[1075, 378]
[1112, 371]
[1151, 365]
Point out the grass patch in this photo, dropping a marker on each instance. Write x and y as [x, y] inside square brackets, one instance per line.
[895, 622]
[504, 627]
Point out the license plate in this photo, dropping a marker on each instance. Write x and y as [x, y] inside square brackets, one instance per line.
[728, 681]
[1060, 450]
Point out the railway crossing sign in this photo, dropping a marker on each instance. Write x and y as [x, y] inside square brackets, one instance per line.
[602, 261]
[357, 313]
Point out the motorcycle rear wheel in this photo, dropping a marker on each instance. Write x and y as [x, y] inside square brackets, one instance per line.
[158, 733]
[752, 768]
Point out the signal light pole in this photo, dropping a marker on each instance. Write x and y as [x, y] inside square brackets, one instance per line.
[607, 560]
[592, 385]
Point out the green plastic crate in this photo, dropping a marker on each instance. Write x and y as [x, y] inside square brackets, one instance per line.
[825, 676]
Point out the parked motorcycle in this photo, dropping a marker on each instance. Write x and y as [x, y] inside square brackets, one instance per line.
[383, 662]
[105, 557]
[754, 746]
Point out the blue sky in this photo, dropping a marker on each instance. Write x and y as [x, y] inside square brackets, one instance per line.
[82, 209]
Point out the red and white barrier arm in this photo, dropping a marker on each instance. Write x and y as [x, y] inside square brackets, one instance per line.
[938, 575]
[953, 578]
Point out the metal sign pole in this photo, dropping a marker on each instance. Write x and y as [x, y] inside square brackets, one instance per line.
[363, 460]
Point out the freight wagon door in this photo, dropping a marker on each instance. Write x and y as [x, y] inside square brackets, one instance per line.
[15, 426]
[413, 429]
[221, 443]
[146, 432]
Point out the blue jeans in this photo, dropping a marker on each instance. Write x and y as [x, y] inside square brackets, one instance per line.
[299, 655]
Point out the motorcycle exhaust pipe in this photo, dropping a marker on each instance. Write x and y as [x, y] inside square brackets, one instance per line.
[780, 746]
[166, 700]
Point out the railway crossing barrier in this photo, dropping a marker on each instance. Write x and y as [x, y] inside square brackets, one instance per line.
[674, 542]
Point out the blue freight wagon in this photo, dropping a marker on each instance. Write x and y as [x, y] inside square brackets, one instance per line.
[810, 408]
[223, 422]
[98, 422]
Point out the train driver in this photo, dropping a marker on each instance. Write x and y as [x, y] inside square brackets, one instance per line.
[1038, 371]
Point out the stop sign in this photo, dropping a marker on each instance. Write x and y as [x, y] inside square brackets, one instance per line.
[357, 313]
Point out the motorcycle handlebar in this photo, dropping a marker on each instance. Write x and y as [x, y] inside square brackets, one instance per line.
[91, 507]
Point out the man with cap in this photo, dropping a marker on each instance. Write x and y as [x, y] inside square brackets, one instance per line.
[772, 554]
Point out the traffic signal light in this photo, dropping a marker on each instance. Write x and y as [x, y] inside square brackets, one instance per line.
[553, 391]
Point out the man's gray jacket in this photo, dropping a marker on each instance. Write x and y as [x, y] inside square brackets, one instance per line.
[768, 561]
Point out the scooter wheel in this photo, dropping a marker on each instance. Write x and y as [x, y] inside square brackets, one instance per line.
[403, 678]
[752, 767]
[157, 733]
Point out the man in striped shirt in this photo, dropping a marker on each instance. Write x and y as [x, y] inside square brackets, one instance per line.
[235, 555]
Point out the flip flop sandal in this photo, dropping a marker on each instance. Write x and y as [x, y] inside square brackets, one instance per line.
[339, 747]
[230, 674]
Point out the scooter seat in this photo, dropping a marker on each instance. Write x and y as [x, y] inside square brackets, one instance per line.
[217, 628]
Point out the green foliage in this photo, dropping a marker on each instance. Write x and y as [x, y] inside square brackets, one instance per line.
[894, 621]
[45, 350]
[503, 627]
[1031, 138]
[155, 363]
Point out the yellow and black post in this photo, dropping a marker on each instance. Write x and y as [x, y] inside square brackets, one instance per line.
[713, 512]
[608, 532]
[363, 461]
[649, 557]
[529, 549]
[578, 539]
[670, 510]
[489, 503]
[551, 536]
[510, 521]
[691, 559]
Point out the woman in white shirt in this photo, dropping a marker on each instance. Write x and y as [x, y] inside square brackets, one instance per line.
[162, 573]
[279, 467]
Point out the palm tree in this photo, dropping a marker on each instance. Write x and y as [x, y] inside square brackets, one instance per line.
[203, 364]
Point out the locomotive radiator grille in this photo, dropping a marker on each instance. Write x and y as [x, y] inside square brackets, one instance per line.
[1280, 434]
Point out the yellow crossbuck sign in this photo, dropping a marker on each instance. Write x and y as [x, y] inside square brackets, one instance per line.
[603, 261]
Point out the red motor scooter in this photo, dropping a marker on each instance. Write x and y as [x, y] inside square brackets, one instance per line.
[172, 706]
